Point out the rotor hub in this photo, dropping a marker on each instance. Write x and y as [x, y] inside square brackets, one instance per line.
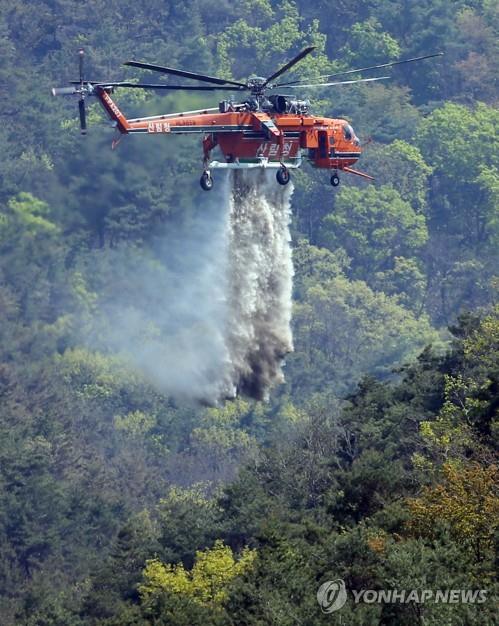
[257, 84]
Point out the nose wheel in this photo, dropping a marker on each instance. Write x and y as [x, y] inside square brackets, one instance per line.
[283, 176]
[335, 180]
[206, 181]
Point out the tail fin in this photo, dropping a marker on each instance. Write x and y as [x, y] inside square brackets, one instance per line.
[112, 109]
[85, 88]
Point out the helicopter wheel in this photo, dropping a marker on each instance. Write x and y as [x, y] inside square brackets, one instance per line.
[206, 181]
[283, 176]
[335, 181]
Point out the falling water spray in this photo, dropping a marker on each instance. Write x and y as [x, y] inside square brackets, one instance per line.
[260, 273]
[204, 312]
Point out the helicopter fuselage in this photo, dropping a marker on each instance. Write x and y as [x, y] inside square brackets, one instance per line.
[248, 138]
[267, 129]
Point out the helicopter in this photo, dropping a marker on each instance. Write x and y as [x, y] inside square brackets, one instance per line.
[267, 129]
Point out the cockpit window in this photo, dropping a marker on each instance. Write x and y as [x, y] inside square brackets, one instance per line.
[348, 132]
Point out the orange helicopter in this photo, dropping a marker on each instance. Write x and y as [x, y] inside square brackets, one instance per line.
[265, 130]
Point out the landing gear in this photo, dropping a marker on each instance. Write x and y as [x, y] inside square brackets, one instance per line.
[283, 176]
[335, 181]
[206, 181]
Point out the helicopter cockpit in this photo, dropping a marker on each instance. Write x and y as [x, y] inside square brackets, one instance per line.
[349, 134]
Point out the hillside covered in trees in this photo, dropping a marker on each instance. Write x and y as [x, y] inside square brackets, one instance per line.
[376, 461]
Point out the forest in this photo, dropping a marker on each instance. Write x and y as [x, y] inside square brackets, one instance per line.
[376, 461]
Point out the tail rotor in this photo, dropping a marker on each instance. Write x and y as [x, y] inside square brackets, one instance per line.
[81, 102]
[80, 88]
[83, 115]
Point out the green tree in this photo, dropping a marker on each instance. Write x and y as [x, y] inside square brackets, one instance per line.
[401, 165]
[207, 582]
[259, 43]
[368, 44]
[467, 500]
[374, 225]
[342, 329]
[460, 144]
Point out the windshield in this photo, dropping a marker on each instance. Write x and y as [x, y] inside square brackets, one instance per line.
[348, 132]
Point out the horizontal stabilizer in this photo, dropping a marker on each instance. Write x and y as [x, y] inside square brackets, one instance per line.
[63, 91]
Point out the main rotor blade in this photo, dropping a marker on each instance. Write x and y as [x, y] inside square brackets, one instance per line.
[341, 82]
[364, 69]
[83, 116]
[290, 64]
[168, 87]
[174, 72]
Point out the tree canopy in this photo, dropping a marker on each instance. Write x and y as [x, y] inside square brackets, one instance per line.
[376, 461]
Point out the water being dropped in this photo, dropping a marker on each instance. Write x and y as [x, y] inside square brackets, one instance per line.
[259, 283]
[204, 311]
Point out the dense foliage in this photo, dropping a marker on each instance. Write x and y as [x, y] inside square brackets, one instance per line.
[376, 461]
